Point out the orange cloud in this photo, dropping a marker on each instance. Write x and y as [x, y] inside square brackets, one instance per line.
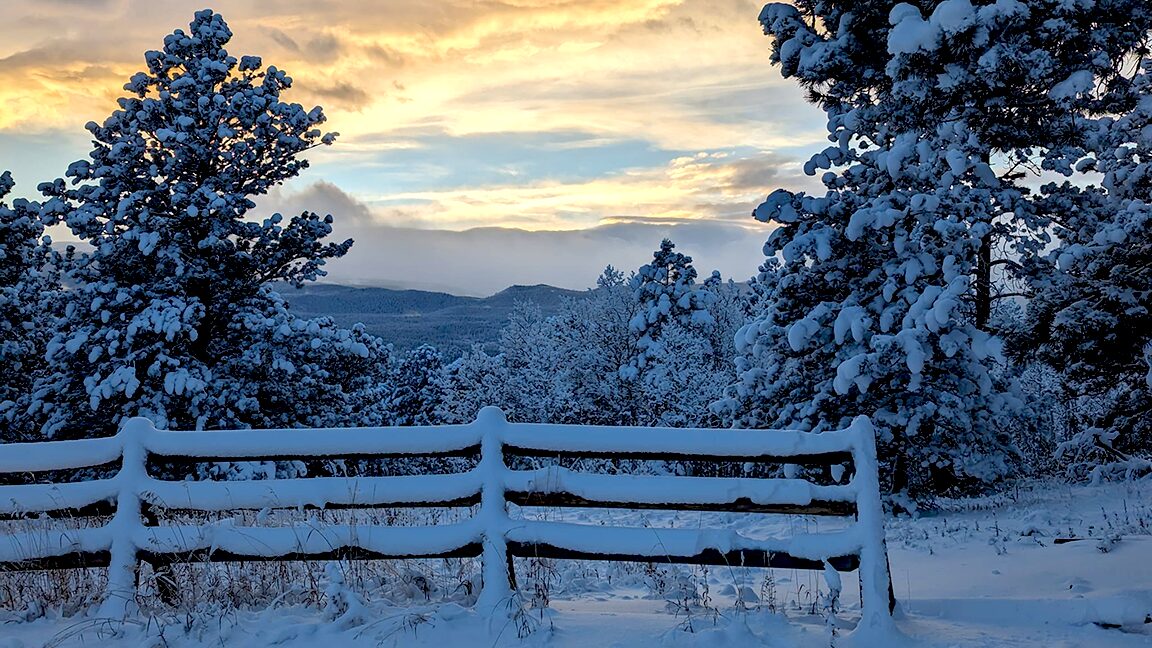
[683, 75]
[635, 67]
[706, 186]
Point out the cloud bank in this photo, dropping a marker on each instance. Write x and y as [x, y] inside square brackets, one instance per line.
[482, 261]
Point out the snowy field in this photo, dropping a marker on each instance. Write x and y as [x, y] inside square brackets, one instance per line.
[979, 572]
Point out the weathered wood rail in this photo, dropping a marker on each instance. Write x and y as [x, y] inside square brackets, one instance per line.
[131, 497]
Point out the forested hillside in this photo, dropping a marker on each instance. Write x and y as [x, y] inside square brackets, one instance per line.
[410, 318]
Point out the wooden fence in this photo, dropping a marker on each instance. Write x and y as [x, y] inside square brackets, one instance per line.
[130, 535]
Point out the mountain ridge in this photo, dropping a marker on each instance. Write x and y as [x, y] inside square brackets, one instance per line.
[407, 318]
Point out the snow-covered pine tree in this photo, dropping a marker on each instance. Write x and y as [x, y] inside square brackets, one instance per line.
[879, 292]
[528, 349]
[971, 93]
[1023, 78]
[730, 305]
[175, 289]
[692, 361]
[665, 291]
[594, 340]
[471, 382]
[417, 387]
[1092, 315]
[297, 372]
[683, 377]
[29, 295]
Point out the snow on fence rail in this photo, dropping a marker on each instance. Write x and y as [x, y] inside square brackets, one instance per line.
[126, 539]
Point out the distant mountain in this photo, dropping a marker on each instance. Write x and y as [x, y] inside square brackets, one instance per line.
[408, 318]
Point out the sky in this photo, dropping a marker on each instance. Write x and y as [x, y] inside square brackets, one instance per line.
[482, 144]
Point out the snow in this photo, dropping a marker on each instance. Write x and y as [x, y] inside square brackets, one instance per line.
[643, 489]
[975, 574]
[953, 15]
[493, 514]
[1077, 83]
[910, 32]
[854, 319]
[59, 455]
[308, 539]
[319, 442]
[27, 498]
[875, 578]
[661, 543]
[241, 444]
[681, 441]
[120, 600]
[312, 492]
[48, 543]
[849, 373]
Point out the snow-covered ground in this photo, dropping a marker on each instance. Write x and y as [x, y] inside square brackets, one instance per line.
[978, 572]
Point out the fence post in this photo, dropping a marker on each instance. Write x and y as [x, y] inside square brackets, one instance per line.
[876, 600]
[493, 515]
[120, 598]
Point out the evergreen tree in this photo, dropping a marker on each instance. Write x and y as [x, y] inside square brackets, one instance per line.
[665, 292]
[683, 378]
[596, 339]
[303, 372]
[535, 381]
[29, 294]
[175, 291]
[473, 381]
[417, 388]
[878, 294]
[731, 307]
[1092, 315]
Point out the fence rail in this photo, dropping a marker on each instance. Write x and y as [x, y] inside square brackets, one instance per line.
[127, 499]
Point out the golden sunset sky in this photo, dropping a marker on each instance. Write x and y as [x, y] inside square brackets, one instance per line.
[582, 131]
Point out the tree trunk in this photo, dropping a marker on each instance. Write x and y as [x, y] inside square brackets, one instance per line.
[984, 283]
